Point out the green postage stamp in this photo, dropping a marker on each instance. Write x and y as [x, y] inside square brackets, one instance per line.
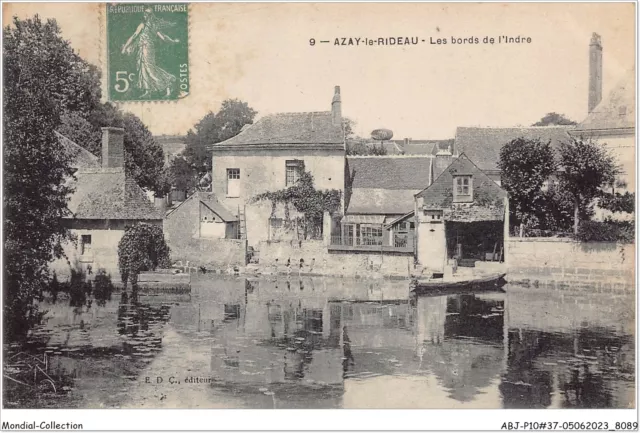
[148, 51]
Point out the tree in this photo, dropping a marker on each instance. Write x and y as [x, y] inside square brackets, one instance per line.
[214, 128]
[182, 175]
[35, 163]
[525, 166]
[551, 119]
[587, 169]
[356, 145]
[142, 248]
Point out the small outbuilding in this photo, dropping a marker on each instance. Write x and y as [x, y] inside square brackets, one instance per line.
[462, 215]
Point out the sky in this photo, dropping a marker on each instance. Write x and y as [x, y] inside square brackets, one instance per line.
[260, 53]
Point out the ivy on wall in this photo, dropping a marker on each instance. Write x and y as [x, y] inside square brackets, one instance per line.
[305, 199]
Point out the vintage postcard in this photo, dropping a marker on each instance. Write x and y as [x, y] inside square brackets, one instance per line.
[319, 206]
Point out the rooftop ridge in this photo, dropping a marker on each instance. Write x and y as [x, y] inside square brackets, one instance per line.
[389, 156]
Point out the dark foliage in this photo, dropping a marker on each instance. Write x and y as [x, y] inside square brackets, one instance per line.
[214, 128]
[183, 175]
[617, 202]
[551, 119]
[142, 248]
[607, 231]
[42, 79]
[587, 169]
[307, 200]
[525, 166]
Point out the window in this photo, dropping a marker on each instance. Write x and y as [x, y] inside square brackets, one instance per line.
[294, 169]
[371, 235]
[85, 244]
[233, 182]
[462, 189]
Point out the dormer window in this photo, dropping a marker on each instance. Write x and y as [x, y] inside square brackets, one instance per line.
[463, 189]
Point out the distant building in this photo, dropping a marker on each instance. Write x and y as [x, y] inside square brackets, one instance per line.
[409, 146]
[270, 155]
[461, 215]
[104, 203]
[172, 146]
[612, 123]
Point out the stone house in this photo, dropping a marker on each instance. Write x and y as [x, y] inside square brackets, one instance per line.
[463, 214]
[270, 155]
[104, 203]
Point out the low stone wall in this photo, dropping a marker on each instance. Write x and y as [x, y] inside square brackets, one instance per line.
[318, 260]
[210, 253]
[560, 261]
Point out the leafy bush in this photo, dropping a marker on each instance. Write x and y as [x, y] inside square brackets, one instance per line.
[142, 248]
[607, 231]
[102, 287]
[618, 202]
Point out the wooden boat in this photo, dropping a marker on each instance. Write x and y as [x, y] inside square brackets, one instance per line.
[453, 285]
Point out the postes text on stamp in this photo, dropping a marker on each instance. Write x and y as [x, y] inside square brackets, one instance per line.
[148, 51]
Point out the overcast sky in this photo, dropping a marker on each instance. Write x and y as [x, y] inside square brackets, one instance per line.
[260, 53]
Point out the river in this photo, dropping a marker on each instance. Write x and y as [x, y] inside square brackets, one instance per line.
[338, 343]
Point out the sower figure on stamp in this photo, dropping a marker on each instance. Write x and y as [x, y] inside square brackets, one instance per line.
[151, 77]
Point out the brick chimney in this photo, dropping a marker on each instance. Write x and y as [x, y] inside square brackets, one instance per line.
[112, 147]
[595, 71]
[336, 108]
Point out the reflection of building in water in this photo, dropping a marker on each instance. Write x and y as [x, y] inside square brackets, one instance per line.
[578, 355]
[456, 342]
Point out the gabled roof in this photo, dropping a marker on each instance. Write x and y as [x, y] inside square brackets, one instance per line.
[309, 129]
[81, 157]
[483, 145]
[209, 200]
[389, 172]
[488, 197]
[105, 193]
[617, 111]
[379, 201]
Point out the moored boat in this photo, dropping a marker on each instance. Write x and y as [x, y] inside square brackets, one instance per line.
[448, 285]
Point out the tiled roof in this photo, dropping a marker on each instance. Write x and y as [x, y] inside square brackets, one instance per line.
[618, 110]
[81, 157]
[387, 172]
[289, 128]
[106, 194]
[416, 147]
[381, 201]
[488, 197]
[210, 201]
[482, 145]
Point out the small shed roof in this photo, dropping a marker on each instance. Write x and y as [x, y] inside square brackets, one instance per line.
[381, 201]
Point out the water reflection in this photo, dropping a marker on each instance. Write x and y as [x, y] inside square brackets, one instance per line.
[321, 342]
